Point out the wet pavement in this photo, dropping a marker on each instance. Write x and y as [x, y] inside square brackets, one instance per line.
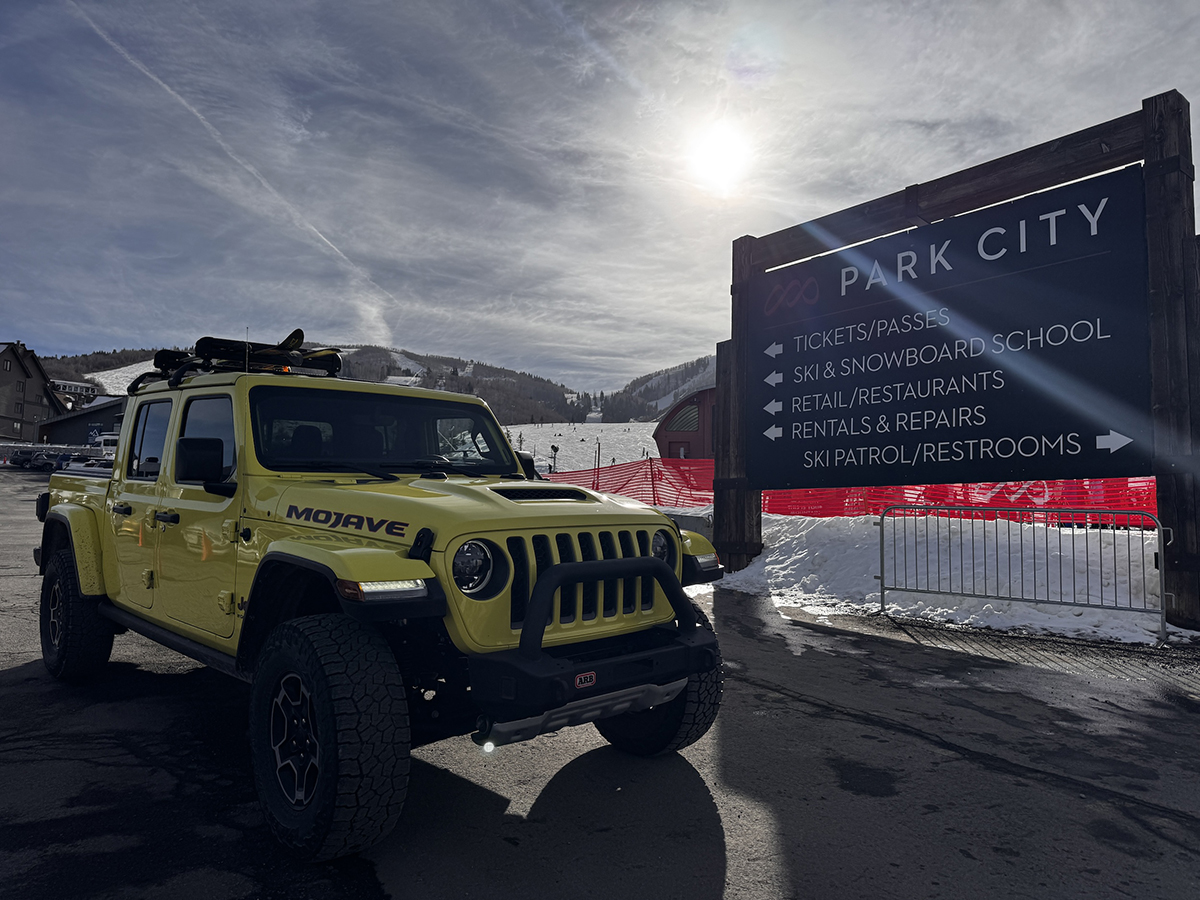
[851, 759]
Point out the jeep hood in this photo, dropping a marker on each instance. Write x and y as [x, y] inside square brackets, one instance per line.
[395, 511]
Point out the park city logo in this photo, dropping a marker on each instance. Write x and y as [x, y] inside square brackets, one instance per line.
[792, 293]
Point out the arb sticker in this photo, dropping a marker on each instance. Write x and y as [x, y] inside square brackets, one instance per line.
[586, 680]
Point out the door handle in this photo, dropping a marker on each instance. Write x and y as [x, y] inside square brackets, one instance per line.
[171, 518]
[122, 509]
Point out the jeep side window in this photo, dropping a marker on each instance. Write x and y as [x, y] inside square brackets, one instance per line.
[149, 439]
[212, 417]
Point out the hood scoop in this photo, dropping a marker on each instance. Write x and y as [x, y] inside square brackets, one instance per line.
[527, 494]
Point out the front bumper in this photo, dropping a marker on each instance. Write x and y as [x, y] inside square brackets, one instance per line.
[516, 689]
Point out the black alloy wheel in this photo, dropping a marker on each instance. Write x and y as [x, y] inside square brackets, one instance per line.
[295, 741]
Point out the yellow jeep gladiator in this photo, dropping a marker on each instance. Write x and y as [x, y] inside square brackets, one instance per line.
[382, 568]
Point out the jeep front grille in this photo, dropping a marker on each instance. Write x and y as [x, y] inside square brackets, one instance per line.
[589, 601]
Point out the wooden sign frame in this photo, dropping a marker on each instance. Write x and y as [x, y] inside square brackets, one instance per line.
[1159, 137]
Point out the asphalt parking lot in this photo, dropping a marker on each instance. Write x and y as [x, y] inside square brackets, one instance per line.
[880, 761]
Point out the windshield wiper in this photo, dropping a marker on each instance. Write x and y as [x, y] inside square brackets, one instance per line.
[327, 465]
[435, 464]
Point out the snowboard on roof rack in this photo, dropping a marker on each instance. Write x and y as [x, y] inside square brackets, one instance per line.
[213, 354]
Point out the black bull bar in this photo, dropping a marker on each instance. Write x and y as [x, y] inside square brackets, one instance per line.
[537, 613]
[531, 681]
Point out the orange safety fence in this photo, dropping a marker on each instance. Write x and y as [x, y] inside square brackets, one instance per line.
[687, 483]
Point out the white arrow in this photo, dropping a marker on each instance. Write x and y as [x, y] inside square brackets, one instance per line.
[773, 407]
[774, 350]
[774, 432]
[1113, 441]
[774, 379]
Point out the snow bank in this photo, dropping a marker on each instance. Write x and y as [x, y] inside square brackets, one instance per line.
[828, 567]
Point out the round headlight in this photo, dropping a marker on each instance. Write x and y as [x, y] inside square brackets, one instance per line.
[662, 547]
[472, 567]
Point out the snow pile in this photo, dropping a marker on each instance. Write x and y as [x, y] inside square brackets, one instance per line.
[828, 567]
[623, 442]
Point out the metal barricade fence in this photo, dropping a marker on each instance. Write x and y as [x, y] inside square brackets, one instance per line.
[1068, 557]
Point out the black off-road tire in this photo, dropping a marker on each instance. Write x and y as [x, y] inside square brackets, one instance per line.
[673, 725]
[76, 640]
[329, 736]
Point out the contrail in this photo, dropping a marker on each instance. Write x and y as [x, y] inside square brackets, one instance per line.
[375, 320]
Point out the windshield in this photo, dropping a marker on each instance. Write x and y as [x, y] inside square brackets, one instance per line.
[310, 429]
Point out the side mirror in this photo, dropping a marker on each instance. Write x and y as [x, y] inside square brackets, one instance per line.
[526, 461]
[201, 461]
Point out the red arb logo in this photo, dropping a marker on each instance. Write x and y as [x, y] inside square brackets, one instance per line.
[586, 680]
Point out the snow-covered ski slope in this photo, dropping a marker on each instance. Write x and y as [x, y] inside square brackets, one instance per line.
[665, 392]
[114, 381]
[623, 442]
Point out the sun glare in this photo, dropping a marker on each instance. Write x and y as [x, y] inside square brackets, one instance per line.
[719, 157]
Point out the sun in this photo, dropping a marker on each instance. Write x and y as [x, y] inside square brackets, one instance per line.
[719, 157]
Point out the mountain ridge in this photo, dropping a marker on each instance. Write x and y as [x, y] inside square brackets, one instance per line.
[517, 397]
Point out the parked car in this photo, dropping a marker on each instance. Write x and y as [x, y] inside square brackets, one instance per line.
[44, 461]
[21, 458]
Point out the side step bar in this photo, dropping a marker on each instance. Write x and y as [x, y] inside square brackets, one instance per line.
[214, 659]
[633, 699]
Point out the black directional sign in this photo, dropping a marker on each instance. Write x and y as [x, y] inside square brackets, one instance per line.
[1007, 344]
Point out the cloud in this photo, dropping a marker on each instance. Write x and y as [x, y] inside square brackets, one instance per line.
[504, 181]
[270, 202]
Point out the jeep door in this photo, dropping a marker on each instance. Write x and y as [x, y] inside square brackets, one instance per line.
[197, 549]
[133, 504]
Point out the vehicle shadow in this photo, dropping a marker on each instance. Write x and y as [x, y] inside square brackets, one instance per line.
[139, 785]
[896, 770]
[606, 825]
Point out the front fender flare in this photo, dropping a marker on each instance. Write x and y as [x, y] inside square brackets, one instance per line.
[346, 563]
[700, 561]
[266, 606]
[82, 538]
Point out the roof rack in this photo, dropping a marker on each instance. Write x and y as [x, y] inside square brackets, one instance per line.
[224, 355]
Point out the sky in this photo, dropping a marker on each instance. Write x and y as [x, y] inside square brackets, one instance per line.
[548, 186]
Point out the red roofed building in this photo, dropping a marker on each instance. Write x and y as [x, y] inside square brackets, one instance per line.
[686, 430]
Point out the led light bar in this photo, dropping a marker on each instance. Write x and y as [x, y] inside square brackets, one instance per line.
[368, 591]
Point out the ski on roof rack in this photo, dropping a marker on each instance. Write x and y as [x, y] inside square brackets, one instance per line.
[225, 355]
